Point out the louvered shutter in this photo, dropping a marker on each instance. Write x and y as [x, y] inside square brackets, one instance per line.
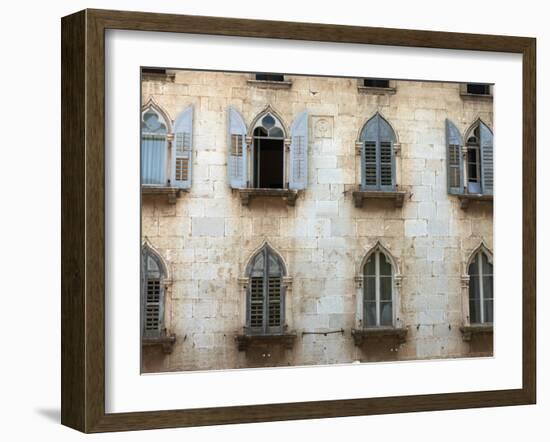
[237, 153]
[299, 152]
[182, 151]
[455, 175]
[386, 167]
[486, 146]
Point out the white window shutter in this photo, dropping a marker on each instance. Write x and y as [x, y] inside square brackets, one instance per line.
[486, 146]
[237, 165]
[299, 152]
[455, 174]
[182, 150]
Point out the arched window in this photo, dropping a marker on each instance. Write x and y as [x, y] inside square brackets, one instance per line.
[270, 165]
[378, 296]
[153, 148]
[268, 153]
[153, 275]
[472, 173]
[377, 155]
[265, 296]
[480, 271]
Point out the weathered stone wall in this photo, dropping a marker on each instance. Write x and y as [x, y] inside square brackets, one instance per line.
[207, 237]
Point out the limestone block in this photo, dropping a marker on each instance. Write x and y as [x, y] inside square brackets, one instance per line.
[207, 226]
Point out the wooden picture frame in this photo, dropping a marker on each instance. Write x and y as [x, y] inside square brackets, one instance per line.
[83, 220]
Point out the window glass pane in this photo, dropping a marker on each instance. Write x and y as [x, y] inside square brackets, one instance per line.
[386, 314]
[268, 121]
[370, 314]
[488, 305]
[258, 265]
[375, 82]
[260, 132]
[369, 266]
[274, 267]
[487, 266]
[385, 288]
[385, 265]
[276, 132]
[475, 314]
[370, 288]
[473, 269]
[488, 287]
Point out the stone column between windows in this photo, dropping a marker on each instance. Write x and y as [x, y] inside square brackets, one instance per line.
[464, 152]
[286, 162]
[465, 291]
[249, 161]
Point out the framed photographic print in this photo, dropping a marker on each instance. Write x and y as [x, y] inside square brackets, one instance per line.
[270, 220]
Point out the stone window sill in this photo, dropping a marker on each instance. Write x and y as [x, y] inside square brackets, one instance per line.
[166, 341]
[466, 198]
[268, 84]
[397, 197]
[376, 90]
[360, 336]
[172, 193]
[472, 331]
[288, 194]
[245, 341]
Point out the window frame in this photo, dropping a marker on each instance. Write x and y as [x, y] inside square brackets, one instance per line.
[147, 251]
[364, 139]
[266, 330]
[477, 257]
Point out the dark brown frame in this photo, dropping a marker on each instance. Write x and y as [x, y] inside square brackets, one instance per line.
[83, 216]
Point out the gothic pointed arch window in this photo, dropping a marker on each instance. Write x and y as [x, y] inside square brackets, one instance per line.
[266, 293]
[480, 287]
[378, 292]
[268, 153]
[377, 155]
[153, 293]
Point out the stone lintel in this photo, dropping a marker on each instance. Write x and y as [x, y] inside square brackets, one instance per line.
[245, 341]
[473, 330]
[289, 195]
[391, 334]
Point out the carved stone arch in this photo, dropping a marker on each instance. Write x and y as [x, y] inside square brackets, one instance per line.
[151, 104]
[268, 110]
[386, 120]
[378, 246]
[472, 126]
[265, 245]
[482, 247]
[147, 247]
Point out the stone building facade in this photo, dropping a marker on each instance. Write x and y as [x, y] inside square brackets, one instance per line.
[377, 226]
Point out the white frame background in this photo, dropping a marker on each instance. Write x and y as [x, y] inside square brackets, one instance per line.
[127, 390]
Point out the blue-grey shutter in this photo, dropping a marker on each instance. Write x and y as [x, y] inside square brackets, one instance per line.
[299, 152]
[377, 155]
[486, 146]
[182, 149]
[455, 174]
[237, 165]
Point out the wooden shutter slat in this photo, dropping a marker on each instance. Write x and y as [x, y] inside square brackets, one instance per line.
[299, 152]
[454, 143]
[182, 151]
[237, 152]
[487, 151]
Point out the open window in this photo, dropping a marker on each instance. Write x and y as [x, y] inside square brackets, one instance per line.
[470, 163]
[264, 160]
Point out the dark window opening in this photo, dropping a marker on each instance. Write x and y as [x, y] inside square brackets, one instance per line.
[270, 77]
[478, 89]
[376, 82]
[156, 71]
[268, 161]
